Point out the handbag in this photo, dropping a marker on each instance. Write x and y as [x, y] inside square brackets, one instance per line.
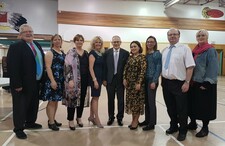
[87, 97]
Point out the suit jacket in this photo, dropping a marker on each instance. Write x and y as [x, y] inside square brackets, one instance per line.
[109, 64]
[22, 67]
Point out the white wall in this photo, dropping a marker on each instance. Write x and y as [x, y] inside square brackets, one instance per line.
[132, 8]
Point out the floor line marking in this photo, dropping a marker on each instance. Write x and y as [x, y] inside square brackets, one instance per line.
[178, 142]
[8, 140]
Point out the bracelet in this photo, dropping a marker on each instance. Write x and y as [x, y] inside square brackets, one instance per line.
[186, 81]
[94, 79]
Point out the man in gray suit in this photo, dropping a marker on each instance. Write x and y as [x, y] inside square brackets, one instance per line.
[114, 61]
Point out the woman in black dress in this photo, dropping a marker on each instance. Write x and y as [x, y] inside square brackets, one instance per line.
[96, 71]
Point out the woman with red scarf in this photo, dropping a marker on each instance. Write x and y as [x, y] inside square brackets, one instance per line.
[203, 89]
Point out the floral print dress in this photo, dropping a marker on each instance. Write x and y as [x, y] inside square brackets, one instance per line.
[57, 70]
[134, 73]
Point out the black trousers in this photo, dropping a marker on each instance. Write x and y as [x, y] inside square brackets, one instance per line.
[150, 104]
[115, 88]
[176, 103]
[25, 107]
[71, 111]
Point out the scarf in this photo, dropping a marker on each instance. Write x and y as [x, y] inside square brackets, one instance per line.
[200, 49]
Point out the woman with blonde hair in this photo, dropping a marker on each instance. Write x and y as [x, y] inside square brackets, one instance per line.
[96, 72]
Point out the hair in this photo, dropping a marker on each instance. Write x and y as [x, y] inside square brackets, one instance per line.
[156, 44]
[203, 31]
[173, 29]
[52, 45]
[94, 41]
[77, 37]
[139, 45]
[23, 26]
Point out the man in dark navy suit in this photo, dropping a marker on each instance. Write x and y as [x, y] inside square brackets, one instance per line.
[115, 59]
[25, 61]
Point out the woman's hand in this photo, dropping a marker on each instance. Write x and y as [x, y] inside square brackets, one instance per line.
[138, 87]
[71, 84]
[152, 86]
[54, 85]
[96, 84]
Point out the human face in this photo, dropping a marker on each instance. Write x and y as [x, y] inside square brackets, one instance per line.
[116, 42]
[201, 38]
[150, 44]
[79, 43]
[27, 34]
[57, 42]
[173, 36]
[98, 45]
[134, 49]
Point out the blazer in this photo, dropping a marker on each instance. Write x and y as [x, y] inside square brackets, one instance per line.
[22, 66]
[109, 64]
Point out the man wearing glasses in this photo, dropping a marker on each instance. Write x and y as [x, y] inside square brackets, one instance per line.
[177, 68]
[25, 61]
[115, 59]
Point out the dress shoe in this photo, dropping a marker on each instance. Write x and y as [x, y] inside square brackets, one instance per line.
[53, 127]
[171, 130]
[57, 123]
[144, 123]
[91, 120]
[148, 127]
[181, 137]
[202, 133]
[192, 126]
[110, 122]
[120, 122]
[33, 126]
[21, 135]
[79, 123]
[129, 126]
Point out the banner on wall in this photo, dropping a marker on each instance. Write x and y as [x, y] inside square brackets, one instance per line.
[10, 20]
[213, 13]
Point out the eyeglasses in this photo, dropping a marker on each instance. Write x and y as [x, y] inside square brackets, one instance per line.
[173, 34]
[202, 35]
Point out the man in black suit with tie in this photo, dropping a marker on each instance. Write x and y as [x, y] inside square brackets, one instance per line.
[25, 61]
[115, 59]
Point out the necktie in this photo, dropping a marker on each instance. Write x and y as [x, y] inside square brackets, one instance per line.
[168, 57]
[33, 49]
[115, 61]
[38, 62]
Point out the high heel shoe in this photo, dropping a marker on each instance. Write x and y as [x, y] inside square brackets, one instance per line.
[133, 128]
[57, 123]
[80, 124]
[72, 127]
[53, 127]
[91, 120]
[98, 124]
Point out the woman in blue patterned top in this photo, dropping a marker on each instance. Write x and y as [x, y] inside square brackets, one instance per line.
[154, 68]
[54, 85]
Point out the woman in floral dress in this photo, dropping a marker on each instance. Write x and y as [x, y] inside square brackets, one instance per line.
[134, 74]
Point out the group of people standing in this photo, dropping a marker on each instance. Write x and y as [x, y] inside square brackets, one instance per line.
[68, 76]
